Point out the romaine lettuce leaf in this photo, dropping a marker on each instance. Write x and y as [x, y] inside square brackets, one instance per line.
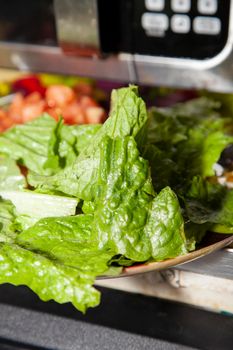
[38, 205]
[83, 133]
[61, 149]
[69, 240]
[44, 145]
[165, 227]
[28, 143]
[124, 193]
[128, 116]
[7, 219]
[10, 175]
[128, 217]
[190, 137]
[210, 203]
[198, 155]
[46, 277]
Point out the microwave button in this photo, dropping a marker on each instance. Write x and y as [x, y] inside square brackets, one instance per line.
[155, 5]
[180, 24]
[181, 5]
[155, 23]
[207, 7]
[207, 25]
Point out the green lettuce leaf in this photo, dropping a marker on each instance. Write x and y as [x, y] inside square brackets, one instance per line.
[10, 175]
[28, 143]
[7, 219]
[61, 148]
[187, 138]
[127, 217]
[83, 133]
[200, 152]
[128, 116]
[39, 205]
[47, 278]
[70, 240]
[123, 197]
[43, 145]
[126, 212]
[165, 227]
[209, 203]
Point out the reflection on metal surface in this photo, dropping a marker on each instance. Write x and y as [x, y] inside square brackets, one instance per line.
[77, 26]
[120, 67]
[52, 59]
[221, 242]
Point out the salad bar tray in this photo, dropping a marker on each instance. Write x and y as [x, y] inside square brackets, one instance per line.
[183, 262]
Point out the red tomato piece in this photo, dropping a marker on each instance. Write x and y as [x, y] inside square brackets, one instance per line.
[59, 95]
[15, 109]
[94, 115]
[74, 114]
[31, 111]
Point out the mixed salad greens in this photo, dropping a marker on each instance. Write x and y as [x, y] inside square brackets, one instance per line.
[94, 198]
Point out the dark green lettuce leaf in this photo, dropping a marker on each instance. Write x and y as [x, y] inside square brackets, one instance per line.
[171, 125]
[196, 109]
[208, 202]
[164, 170]
[189, 139]
[201, 151]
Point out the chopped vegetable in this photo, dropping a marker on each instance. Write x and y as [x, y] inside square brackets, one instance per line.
[35, 95]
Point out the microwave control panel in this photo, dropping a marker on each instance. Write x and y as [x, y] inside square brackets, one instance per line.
[196, 29]
[181, 28]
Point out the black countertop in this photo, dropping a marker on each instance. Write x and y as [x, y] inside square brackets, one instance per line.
[122, 321]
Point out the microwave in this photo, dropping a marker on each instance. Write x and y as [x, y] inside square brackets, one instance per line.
[175, 43]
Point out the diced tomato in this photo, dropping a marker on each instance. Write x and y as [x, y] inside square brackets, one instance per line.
[87, 101]
[94, 115]
[15, 109]
[3, 114]
[76, 106]
[6, 123]
[33, 97]
[32, 110]
[74, 114]
[59, 95]
[53, 112]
